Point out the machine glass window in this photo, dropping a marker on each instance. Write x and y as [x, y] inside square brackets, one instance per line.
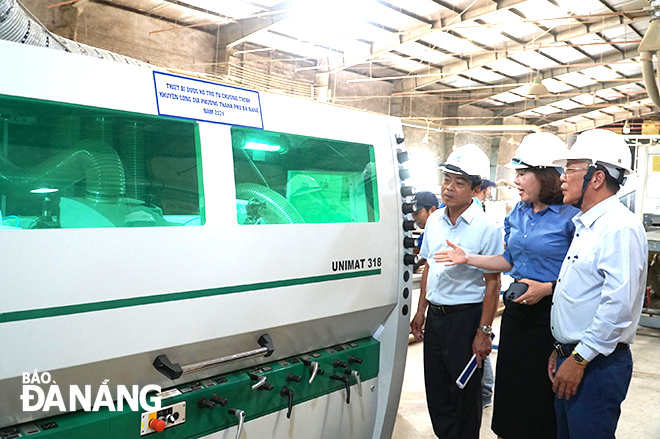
[69, 166]
[291, 179]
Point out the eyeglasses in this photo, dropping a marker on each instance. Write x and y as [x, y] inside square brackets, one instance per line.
[569, 170]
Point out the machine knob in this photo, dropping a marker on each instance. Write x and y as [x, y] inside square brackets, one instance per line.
[353, 359]
[219, 400]
[409, 242]
[399, 139]
[403, 156]
[204, 403]
[157, 424]
[408, 191]
[409, 259]
[266, 386]
[339, 363]
[288, 393]
[291, 377]
[407, 208]
[171, 419]
[404, 174]
[408, 225]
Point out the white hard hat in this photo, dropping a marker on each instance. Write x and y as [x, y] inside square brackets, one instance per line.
[468, 160]
[538, 150]
[602, 147]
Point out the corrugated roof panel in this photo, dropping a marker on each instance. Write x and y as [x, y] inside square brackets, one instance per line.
[493, 102]
[563, 54]
[506, 21]
[538, 10]
[576, 119]
[422, 52]
[593, 114]
[601, 73]
[547, 109]
[555, 86]
[576, 79]
[613, 109]
[481, 34]
[583, 7]
[391, 18]
[450, 43]
[632, 87]
[592, 44]
[533, 59]
[484, 75]
[425, 8]
[269, 39]
[566, 104]
[631, 69]
[608, 94]
[588, 99]
[459, 82]
[235, 9]
[527, 114]
[620, 33]
[508, 97]
[304, 30]
[395, 61]
[509, 68]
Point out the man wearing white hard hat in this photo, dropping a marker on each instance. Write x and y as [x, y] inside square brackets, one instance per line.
[598, 295]
[461, 300]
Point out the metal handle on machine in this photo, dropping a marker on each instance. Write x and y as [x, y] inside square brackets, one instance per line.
[174, 370]
[240, 414]
[355, 374]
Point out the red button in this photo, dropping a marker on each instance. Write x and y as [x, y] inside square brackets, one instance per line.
[157, 424]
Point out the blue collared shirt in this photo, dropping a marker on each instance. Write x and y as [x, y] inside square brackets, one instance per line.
[476, 234]
[536, 243]
[599, 293]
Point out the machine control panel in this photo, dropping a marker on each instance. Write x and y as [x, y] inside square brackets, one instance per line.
[166, 417]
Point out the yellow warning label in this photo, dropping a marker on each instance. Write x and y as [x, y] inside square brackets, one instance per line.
[656, 164]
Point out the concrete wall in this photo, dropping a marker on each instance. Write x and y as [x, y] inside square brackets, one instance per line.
[127, 33]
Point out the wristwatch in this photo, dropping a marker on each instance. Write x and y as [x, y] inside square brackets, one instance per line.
[579, 359]
[486, 329]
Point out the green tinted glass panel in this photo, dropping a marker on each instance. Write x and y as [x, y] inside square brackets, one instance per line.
[291, 179]
[69, 166]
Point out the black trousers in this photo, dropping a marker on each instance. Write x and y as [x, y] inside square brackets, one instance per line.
[455, 413]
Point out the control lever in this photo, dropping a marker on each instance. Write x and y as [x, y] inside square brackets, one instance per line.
[291, 377]
[355, 374]
[347, 385]
[204, 403]
[260, 380]
[240, 414]
[288, 393]
[338, 363]
[353, 359]
[219, 400]
[313, 369]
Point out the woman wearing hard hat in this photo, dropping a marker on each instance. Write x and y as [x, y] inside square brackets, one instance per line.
[538, 233]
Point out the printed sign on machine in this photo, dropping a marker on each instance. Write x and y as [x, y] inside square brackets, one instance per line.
[195, 99]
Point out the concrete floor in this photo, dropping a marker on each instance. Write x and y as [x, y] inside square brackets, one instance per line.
[639, 418]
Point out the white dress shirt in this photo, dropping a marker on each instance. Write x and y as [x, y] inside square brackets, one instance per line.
[598, 298]
[476, 234]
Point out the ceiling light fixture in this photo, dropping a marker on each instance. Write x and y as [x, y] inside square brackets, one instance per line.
[537, 89]
[626, 128]
[427, 139]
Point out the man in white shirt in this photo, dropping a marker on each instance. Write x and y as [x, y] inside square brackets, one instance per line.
[598, 296]
[462, 300]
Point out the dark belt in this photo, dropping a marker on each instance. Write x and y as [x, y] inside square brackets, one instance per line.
[565, 350]
[447, 309]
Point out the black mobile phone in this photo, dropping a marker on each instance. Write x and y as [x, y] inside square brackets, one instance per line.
[515, 290]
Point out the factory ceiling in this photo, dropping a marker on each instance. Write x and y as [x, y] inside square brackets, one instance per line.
[480, 53]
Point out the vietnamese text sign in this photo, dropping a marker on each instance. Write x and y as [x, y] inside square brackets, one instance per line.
[190, 98]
